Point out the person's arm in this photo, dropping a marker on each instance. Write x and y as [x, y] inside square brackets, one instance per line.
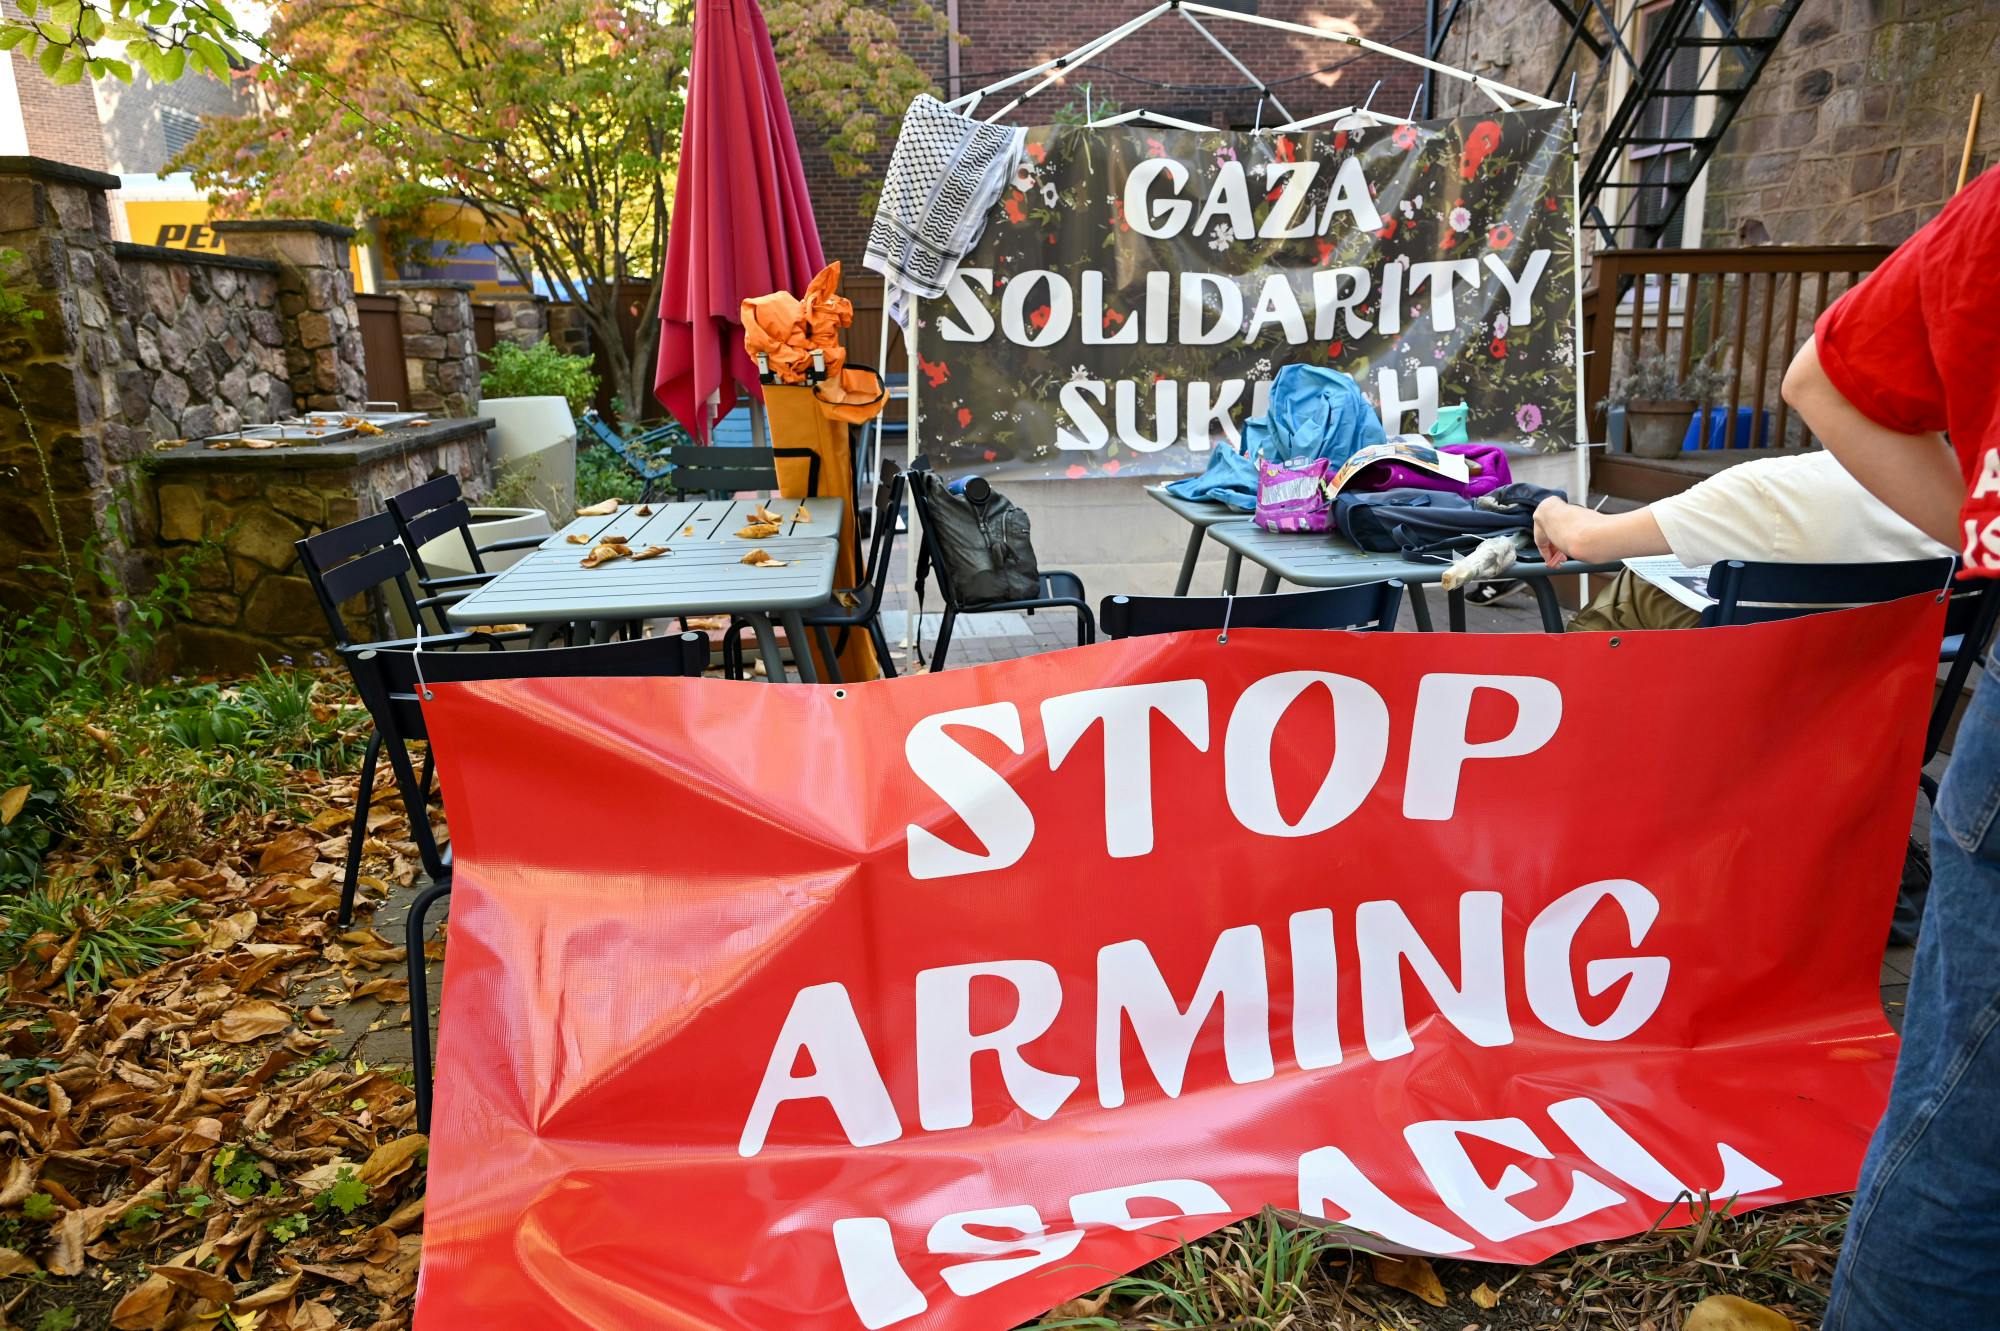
[1916, 475]
[1569, 531]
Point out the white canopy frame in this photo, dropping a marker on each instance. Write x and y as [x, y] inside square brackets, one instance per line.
[1050, 72]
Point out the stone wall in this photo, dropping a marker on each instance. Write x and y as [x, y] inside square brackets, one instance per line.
[523, 320]
[251, 603]
[64, 447]
[202, 343]
[439, 355]
[323, 355]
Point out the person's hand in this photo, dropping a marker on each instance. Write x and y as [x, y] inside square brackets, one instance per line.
[1547, 515]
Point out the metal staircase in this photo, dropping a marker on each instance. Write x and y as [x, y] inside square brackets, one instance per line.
[1693, 68]
[1691, 55]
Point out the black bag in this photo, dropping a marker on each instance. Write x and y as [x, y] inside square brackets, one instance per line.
[985, 547]
[1432, 522]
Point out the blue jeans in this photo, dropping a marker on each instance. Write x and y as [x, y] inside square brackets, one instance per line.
[1923, 1244]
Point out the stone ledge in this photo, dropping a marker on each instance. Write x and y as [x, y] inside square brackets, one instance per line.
[251, 226]
[420, 284]
[43, 168]
[128, 252]
[355, 452]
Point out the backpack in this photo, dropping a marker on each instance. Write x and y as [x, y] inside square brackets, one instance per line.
[1423, 522]
[985, 547]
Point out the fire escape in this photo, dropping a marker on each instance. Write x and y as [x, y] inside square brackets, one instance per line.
[1692, 69]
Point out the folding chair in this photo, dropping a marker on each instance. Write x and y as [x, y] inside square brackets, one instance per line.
[363, 558]
[719, 471]
[1371, 606]
[1060, 589]
[1756, 593]
[388, 681]
[436, 508]
[1969, 618]
[641, 453]
[851, 608]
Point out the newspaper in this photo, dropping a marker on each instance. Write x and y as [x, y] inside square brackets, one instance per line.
[1409, 449]
[1687, 585]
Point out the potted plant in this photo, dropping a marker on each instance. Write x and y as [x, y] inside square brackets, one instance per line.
[533, 394]
[1660, 401]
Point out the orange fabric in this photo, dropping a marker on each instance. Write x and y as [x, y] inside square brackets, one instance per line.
[798, 420]
[854, 396]
[787, 329]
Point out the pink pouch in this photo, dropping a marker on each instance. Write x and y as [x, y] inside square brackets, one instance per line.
[1490, 473]
[1291, 496]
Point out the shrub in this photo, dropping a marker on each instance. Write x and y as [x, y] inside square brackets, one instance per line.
[539, 371]
[1656, 378]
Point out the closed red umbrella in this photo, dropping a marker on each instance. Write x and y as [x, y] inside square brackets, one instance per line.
[742, 225]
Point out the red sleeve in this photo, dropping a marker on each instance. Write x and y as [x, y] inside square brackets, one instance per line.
[1874, 344]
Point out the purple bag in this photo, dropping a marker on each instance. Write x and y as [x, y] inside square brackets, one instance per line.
[1490, 472]
[1291, 496]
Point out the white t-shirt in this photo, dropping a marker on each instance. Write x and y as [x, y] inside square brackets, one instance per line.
[1800, 509]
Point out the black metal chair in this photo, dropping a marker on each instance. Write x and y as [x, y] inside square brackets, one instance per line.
[364, 558]
[1757, 593]
[858, 607]
[1370, 606]
[717, 471]
[1060, 589]
[388, 679]
[436, 508]
[642, 453]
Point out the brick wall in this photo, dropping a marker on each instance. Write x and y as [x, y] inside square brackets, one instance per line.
[61, 122]
[1005, 36]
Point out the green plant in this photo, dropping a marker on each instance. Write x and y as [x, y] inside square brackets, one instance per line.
[26, 837]
[1260, 1274]
[1654, 377]
[240, 1173]
[347, 1194]
[194, 1202]
[540, 370]
[139, 1217]
[105, 937]
[38, 1206]
[600, 475]
[56, 1319]
[288, 1227]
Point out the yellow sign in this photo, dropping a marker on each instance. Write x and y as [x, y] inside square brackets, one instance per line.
[175, 224]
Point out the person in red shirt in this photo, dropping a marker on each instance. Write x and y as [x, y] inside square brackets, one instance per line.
[1901, 382]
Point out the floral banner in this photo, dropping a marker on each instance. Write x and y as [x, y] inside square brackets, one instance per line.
[1136, 290]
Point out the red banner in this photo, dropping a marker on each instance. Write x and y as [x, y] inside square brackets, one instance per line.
[933, 1002]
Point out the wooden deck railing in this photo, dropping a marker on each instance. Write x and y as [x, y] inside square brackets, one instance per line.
[1750, 308]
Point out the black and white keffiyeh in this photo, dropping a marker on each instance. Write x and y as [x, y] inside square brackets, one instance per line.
[944, 177]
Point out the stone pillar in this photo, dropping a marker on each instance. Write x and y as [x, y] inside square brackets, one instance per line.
[323, 354]
[439, 351]
[520, 318]
[567, 328]
[65, 448]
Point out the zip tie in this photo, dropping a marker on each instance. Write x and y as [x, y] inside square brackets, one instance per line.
[417, 659]
[1257, 126]
[1228, 606]
[1950, 576]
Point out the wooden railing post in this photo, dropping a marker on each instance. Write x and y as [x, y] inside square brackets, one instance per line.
[1601, 333]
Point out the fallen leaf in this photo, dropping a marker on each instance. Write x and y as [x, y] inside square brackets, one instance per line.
[250, 1021]
[1410, 1274]
[803, 515]
[230, 930]
[289, 852]
[757, 531]
[651, 552]
[392, 1160]
[1485, 1296]
[708, 623]
[604, 508]
[763, 559]
[577, 538]
[14, 1264]
[645, 510]
[384, 989]
[201, 1284]
[1078, 1308]
[687, 531]
[277, 1292]
[66, 1256]
[603, 554]
[12, 803]
[1726, 1312]
[146, 1307]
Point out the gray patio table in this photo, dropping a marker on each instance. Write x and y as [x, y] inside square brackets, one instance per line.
[703, 575]
[1331, 560]
[1200, 514]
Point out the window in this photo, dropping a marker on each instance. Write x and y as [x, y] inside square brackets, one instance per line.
[178, 128]
[1659, 168]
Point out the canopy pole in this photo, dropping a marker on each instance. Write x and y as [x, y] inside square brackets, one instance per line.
[1130, 25]
[911, 628]
[1081, 57]
[1492, 89]
[1241, 68]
